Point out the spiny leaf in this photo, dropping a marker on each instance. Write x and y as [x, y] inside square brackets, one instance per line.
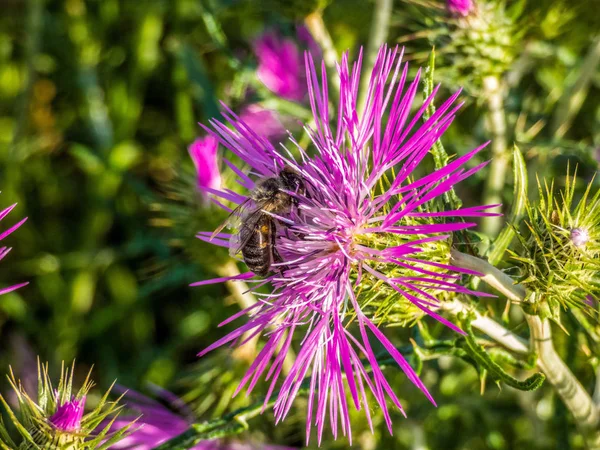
[485, 362]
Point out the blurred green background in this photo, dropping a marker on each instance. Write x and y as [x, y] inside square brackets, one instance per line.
[98, 103]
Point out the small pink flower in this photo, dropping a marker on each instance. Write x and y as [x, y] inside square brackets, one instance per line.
[281, 66]
[460, 7]
[203, 152]
[264, 122]
[68, 415]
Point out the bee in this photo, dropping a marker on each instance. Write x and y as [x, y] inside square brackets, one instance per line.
[257, 227]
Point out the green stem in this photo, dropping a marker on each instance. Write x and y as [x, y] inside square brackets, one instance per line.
[34, 30]
[577, 400]
[490, 327]
[377, 36]
[493, 91]
[318, 30]
[570, 103]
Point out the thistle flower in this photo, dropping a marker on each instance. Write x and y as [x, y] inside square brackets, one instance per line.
[361, 228]
[559, 252]
[459, 7]
[280, 66]
[203, 152]
[5, 250]
[159, 424]
[56, 420]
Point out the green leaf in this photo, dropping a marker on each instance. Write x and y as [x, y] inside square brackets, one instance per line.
[504, 239]
[484, 362]
[202, 88]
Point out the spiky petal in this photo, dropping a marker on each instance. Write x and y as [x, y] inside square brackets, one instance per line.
[68, 415]
[5, 250]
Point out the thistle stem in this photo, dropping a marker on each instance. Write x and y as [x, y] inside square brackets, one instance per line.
[572, 100]
[244, 298]
[377, 36]
[318, 30]
[575, 397]
[240, 292]
[493, 90]
[489, 326]
[35, 25]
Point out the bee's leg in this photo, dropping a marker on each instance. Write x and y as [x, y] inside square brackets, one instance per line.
[278, 259]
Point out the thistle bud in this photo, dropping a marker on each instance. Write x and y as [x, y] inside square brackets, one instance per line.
[559, 255]
[55, 419]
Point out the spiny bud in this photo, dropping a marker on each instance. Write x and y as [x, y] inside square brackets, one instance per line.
[559, 256]
[55, 420]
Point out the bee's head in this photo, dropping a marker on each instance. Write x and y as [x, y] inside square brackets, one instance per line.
[292, 181]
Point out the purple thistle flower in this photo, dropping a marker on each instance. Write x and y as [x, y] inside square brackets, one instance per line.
[347, 231]
[280, 66]
[5, 250]
[158, 424]
[460, 8]
[68, 415]
[203, 152]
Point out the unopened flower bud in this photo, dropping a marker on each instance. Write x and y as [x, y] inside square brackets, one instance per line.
[579, 237]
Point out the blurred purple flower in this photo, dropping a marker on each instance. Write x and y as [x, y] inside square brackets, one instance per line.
[264, 122]
[460, 7]
[590, 301]
[203, 152]
[579, 237]
[158, 424]
[5, 250]
[68, 415]
[344, 230]
[280, 66]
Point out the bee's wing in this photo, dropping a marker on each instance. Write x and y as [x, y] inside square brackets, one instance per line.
[247, 228]
[235, 217]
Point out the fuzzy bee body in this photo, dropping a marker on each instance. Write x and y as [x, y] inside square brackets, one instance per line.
[260, 242]
[256, 236]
